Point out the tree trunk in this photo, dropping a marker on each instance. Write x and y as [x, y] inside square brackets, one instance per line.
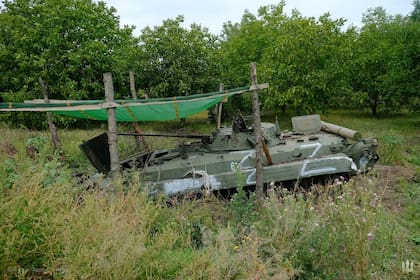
[283, 108]
[374, 106]
[51, 125]
[374, 110]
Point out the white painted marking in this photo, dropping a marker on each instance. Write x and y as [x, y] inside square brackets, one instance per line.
[320, 171]
[244, 168]
[248, 178]
[317, 146]
[245, 158]
[188, 184]
[353, 166]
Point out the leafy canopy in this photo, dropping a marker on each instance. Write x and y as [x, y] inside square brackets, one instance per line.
[67, 43]
[386, 65]
[177, 61]
[302, 58]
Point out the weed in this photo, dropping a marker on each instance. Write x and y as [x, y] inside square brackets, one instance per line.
[242, 203]
[51, 225]
[28, 236]
[411, 216]
[392, 145]
[10, 174]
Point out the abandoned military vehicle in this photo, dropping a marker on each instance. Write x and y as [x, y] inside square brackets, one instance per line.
[313, 149]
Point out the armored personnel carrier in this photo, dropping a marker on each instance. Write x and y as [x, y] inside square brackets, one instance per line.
[313, 149]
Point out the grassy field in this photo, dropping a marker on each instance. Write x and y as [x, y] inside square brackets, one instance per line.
[54, 227]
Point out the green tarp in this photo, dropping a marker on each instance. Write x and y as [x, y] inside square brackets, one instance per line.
[156, 109]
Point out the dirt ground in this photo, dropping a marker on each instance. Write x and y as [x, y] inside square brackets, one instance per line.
[389, 181]
[8, 149]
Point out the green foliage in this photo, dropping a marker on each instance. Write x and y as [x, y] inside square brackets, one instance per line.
[386, 65]
[391, 144]
[104, 236]
[37, 142]
[243, 43]
[243, 207]
[69, 44]
[52, 225]
[360, 231]
[10, 173]
[414, 152]
[307, 63]
[178, 61]
[344, 225]
[313, 65]
[412, 213]
[111, 235]
[243, 203]
[303, 59]
[415, 14]
[28, 222]
[22, 119]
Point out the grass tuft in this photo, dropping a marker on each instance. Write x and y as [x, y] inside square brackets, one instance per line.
[52, 226]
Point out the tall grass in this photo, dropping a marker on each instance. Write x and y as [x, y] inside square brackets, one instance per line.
[398, 134]
[336, 235]
[54, 226]
[72, 234]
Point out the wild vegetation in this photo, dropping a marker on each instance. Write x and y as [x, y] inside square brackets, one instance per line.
[53, 225]
[311, 64]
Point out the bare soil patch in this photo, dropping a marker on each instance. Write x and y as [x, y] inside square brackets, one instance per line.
[8, 149]
[389, 181]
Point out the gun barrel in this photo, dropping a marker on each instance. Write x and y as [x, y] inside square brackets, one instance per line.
[342, 131]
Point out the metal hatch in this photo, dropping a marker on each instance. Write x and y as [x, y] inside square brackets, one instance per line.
[307, 124]
[97, 151]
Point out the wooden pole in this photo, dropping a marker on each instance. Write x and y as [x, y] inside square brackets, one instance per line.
[51, 125]
[136, 124]
[259, 183]
[219, 107]
[112, 126]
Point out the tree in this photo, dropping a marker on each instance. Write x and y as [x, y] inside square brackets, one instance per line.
[384, 73]
[303, 59]
[415, 14]
[243, 43]
[178, 61]
[413, 50]
[68, 43]
[306, 64]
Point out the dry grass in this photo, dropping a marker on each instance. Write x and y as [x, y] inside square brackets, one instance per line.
[54, 226]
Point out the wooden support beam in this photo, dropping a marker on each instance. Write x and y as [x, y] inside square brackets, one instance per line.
[219, 107]
[51, 125]
[259, 182]
[112, 126]
[140, 138]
